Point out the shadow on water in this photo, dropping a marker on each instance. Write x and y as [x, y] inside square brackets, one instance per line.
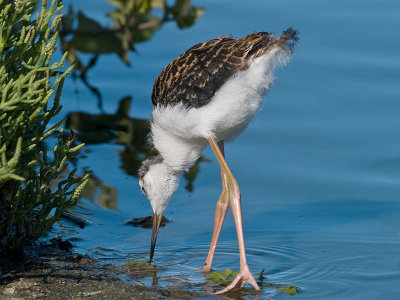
[132, 22]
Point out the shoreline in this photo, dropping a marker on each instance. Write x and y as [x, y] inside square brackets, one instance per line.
[50, 272]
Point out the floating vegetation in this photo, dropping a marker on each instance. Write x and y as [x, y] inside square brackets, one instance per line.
[138, 262]
[141, 268]
[260, 275]
[223, 278]
[291, 290]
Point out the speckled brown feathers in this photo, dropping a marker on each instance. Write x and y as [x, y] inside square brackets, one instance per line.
[195, 76]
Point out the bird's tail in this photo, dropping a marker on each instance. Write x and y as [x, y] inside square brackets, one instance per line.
[288, 39]
[262, 42]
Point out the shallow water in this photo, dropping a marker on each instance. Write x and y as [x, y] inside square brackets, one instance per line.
[318, 167]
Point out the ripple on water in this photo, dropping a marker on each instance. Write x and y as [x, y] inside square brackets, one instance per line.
[319, 269]
[336, 268]
[184, 264]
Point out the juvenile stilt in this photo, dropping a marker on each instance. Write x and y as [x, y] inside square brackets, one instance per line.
[209, 94]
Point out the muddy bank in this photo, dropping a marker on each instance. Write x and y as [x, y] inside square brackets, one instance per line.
[49, 272]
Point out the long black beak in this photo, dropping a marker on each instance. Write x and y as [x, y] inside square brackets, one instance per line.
[156, 225]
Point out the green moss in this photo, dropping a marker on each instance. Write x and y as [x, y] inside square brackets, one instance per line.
[138, 262]
[141, 268]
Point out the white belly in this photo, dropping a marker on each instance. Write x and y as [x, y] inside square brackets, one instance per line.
[176, 129]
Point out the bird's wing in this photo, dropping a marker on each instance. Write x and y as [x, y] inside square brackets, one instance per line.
[193, 78]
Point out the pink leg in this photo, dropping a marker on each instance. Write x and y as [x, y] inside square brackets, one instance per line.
[234, 199]
[220, 213]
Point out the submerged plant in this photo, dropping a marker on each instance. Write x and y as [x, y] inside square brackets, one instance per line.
[35, 186]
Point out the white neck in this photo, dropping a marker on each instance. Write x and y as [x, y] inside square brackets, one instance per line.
[178, 153]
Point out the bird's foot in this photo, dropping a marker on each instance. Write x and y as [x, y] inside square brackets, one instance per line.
[243, 277]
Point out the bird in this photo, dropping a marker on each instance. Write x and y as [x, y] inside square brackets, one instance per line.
[208, 95]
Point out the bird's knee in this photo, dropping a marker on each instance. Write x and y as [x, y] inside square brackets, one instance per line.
[223, 199]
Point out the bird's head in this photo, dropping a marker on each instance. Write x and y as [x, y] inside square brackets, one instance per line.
[158, 182]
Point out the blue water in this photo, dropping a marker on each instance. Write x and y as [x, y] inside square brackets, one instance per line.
[318, 167]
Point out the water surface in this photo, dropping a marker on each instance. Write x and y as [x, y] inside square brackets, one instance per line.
[318, 167]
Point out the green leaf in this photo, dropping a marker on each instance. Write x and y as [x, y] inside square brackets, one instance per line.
[223, 278]
[185, 14]
[260, 275]
[144, 6]
[291, 290]
[145, 28]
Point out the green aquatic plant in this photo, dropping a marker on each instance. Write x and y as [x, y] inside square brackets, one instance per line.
[261, 276]
[223, 278]
[141, 268]
[141, 261]
[226, 277]
[35, 184]
[291, 290]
